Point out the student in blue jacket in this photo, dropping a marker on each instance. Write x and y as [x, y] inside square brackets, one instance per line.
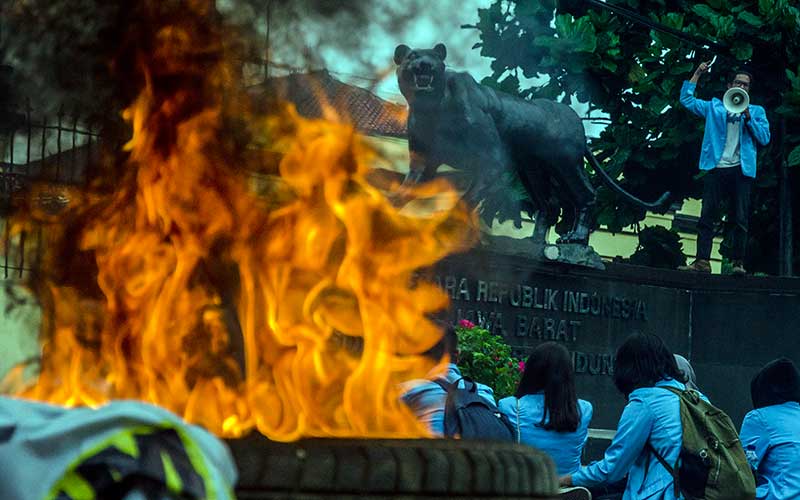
[728, 156]
[545, 410]
[427, 398]
[771, 432]
[643, 365]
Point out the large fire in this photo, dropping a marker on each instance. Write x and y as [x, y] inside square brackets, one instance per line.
[293, 309]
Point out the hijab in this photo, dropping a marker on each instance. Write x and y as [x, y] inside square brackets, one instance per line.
[686, 368]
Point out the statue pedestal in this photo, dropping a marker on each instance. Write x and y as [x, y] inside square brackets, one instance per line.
[574, 254]
[727, 326]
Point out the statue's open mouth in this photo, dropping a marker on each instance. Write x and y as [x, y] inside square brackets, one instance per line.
[423, 81]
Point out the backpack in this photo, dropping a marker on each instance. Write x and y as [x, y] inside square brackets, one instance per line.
[712, 463]
[469, 416]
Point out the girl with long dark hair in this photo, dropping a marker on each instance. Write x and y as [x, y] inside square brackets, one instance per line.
[643, 367]
[545, 410]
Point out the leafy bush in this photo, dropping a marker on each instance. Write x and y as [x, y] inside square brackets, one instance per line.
[659, 247]
[485, 358]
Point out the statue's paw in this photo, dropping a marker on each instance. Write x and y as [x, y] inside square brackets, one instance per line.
[573, 238]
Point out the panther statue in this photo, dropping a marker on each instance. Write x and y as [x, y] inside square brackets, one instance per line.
[456, 121]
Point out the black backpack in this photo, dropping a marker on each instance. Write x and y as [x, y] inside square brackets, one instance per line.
[469, 416]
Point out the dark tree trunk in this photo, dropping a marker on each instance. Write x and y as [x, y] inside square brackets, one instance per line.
[786, 236]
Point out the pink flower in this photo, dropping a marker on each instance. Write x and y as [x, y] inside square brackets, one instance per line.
[521, 366]
[465, 323]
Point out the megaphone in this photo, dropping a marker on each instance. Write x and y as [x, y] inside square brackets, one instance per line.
[736, 100]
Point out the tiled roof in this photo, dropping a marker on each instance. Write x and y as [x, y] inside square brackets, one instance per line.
[312, 93]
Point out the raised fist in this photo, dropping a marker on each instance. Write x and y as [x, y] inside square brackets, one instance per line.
[703, 68]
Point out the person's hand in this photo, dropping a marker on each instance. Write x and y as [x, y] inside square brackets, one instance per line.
[565, 481]
[702, 69]
[746, 114]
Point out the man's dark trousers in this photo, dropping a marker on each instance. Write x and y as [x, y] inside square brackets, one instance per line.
[731, 186]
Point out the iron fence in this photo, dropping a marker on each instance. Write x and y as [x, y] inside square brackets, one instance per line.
[56, 150]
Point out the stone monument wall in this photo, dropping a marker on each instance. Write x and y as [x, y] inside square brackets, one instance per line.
[727, 326]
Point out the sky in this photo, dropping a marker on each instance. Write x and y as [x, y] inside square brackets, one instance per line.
[360, 52]
[355, 39]
[424, 24]
[430, 30]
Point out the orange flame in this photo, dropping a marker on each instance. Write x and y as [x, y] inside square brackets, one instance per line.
[295, 312]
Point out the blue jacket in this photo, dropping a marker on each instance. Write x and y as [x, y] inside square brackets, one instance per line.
[652, 414]
[426, 399]
[771, 440]
[563, 447]
[716, 130]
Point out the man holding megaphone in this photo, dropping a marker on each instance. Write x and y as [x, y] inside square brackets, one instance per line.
[728, 156]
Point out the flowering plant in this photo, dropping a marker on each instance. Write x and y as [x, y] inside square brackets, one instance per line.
[485, 358]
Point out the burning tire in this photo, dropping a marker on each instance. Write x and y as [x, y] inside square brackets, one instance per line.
[388, 468]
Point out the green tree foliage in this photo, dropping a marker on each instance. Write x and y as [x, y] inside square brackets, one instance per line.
[633, 75]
